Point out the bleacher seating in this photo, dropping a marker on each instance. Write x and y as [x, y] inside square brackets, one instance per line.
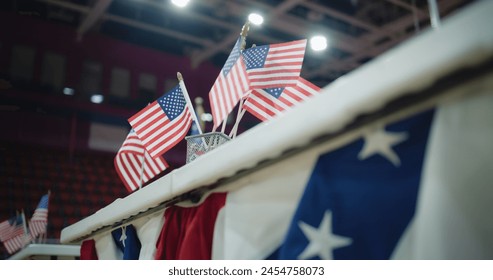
[80, 183]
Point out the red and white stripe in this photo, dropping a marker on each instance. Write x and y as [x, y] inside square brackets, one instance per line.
[10, 231]
[134, 165]
[265, 106]
[157, 132]
[6, 230]
[282, 66]
[227, 91]
[38, 222]
[16, 243]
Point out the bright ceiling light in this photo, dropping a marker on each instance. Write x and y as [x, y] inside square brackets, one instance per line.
[318, 43]
[180, 3]
[68, 91]
[255, 18]
[97, 98]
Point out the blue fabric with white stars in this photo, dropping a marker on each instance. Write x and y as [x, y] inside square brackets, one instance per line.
[233, 57]
[173, 103]
[255, 57]
[130, 245]
[371, 201]
[276, 92]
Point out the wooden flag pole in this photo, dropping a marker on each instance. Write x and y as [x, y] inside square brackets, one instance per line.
[232, 134]
[141, 179]
[241, 111]
[189, 102]
[190, 106]
[199, 106]
[45, 234]
[223, 128]
[26, 239]
[243, 34]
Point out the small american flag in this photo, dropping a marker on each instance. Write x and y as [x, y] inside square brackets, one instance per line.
[39, 220]
[163, 123]
[266, 104]
[16, 243]
[230, 86]
[11, 228]
[276, 65]
[134, 165]
[13, 235]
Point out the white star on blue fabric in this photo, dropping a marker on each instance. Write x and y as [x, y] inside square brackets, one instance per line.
[276, 92]
[173, 103]
[381, 142]
[232, 58]
[255, 56]
[321, 240]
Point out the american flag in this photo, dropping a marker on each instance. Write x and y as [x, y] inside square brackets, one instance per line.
[230, 86]
[134, 165]
[276, 65]
[268, 103]
[12, 234]
[163, 123]
[39, 220]
[11, 228]
[16, 243]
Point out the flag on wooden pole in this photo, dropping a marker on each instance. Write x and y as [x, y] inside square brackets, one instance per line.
[163, 123]
[13, 234]
[181, 82]
[134, 165]
[10, 228]
[268, 103]
[230, 86]
[39, 220]
[275, 65]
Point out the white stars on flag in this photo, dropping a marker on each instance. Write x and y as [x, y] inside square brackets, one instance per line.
[381, 142]
[321, 240]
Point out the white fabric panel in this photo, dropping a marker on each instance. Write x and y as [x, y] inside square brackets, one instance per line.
[266, 202]
[148, 230]
[453, 218]
[106, 247]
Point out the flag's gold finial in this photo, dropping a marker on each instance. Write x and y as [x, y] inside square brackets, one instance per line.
[245, 29]
[244, 33]
[179, 76]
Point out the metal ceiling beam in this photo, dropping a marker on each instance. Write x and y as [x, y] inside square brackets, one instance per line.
[94, 15]
[407, 6]
[160, 30]
[189, 13]
[279, 20]
[402, 24]
[228, 42]
[298, 27]
[205, 19]
[133, 23]
[362, 47]
[68, 6]
[340, 16]
[370, 50]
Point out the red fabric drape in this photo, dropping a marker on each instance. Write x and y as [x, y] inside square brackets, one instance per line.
[88, 250]
[187, 232]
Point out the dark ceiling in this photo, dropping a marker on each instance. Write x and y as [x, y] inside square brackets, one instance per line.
[205, 30]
